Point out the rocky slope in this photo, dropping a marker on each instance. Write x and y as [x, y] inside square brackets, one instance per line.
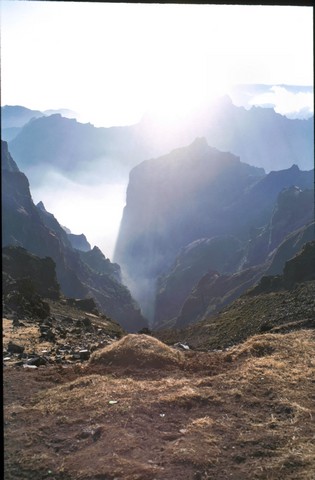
[44, 326]
[40, 233]
[216, 290]
[277, 304]
[266, 251]
[222, 254]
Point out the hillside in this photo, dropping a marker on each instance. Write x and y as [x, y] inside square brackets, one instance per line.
[278, 303]
[243, 413]
[83, 400]
[40, 233]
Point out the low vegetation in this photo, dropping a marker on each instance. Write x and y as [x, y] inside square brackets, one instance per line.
[243, 413]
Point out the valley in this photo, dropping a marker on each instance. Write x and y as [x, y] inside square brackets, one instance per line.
[191, 355]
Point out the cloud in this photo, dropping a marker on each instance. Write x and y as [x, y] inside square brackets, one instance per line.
[291, 104]
[94, 210]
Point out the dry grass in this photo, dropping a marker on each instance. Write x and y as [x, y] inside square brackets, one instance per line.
[252, 419]
[140, 351]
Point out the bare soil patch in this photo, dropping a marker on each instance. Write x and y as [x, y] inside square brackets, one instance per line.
[244, 413]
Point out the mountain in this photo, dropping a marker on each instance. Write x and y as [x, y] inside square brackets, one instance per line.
[258, 135]
[17, 116]
[63, 144]
[278, 304]
[215, 290]
[38, 231]
[78, 242]
[13, 118]
[221, 253]
[192, 193]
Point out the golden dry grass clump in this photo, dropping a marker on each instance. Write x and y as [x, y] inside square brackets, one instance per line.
[138, 351]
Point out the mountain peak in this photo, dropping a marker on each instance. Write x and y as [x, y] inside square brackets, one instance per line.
[200, 142]
[294, 168]
[41, 206]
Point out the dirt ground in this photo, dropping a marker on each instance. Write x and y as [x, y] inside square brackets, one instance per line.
[244, 413]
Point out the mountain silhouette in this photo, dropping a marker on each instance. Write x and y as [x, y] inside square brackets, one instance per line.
[259, 136]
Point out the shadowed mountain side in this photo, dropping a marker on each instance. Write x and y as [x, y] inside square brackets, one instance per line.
[17, 263]
[79, 242]
[214, 291]
[25, 225]
[195, 260]
[194, 192]
[293, 212]
[290, 247]
[97, 261]
[278, 304]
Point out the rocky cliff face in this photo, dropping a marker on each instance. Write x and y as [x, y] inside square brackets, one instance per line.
[38, 231]
[193, 193]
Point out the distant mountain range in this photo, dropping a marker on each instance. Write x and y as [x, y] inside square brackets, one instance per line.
[81, 274]
[259, 136]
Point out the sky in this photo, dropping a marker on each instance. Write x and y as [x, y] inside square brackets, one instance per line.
[112, 62]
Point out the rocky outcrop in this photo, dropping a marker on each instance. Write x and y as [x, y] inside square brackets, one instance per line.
[18, 263]
[79, 242]
[40, 233]
[298, 269]
[97, 261]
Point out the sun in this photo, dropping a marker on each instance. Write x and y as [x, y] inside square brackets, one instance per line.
[184, 90]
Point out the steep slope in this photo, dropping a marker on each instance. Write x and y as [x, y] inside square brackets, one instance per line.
[213, 292]
[194, 192]
[195, 260]
[25, 225]
[292, 214]
[277, 304]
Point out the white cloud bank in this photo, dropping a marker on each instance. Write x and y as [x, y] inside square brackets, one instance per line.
[290, 104]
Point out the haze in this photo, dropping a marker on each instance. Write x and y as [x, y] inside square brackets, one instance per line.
[111, 63]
